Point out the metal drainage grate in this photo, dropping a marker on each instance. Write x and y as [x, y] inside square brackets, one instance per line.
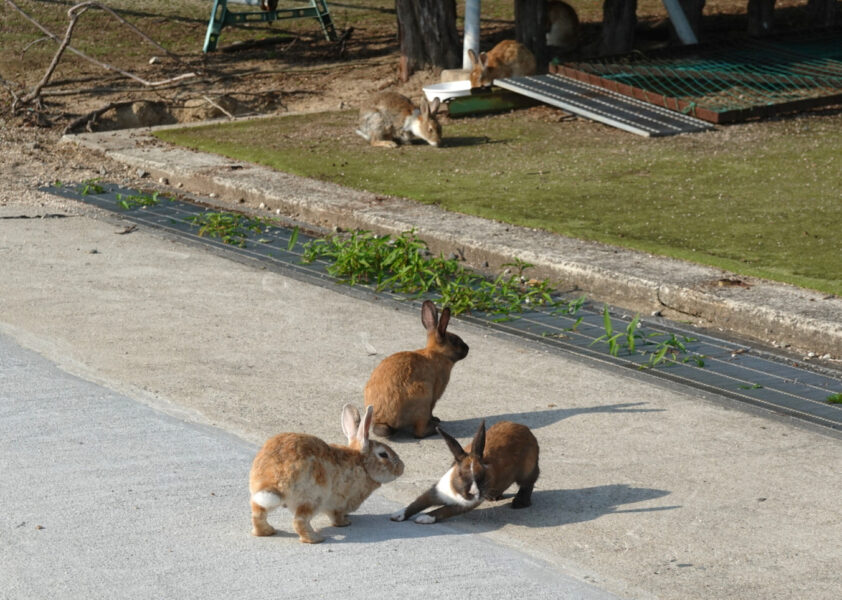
[717, 366]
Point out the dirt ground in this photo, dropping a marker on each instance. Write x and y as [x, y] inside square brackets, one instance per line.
[261, 69]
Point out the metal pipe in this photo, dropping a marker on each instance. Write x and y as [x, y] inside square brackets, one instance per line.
[471, 37]
[680, 22]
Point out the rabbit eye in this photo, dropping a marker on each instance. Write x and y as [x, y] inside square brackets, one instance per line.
[382, 454]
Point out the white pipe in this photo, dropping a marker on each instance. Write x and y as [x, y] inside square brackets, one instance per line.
[680, 22]
[471, 38]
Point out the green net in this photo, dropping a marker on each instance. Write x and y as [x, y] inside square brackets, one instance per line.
[731, 77]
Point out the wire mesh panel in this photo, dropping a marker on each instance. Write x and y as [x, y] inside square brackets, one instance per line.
[730, 81]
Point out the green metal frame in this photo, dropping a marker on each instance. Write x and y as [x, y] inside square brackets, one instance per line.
[221, 17]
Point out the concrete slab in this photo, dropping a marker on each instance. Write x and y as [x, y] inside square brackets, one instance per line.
[105, 497]
[647, 490]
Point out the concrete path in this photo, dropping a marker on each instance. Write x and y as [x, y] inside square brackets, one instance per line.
[104, 497]
[776, 314]
[647, 490]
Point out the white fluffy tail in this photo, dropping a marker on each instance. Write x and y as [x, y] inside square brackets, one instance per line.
[266, 499]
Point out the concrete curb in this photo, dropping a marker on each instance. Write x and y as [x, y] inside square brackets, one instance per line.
[774, 314]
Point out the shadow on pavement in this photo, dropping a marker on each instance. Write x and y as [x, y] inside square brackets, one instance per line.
[550, 508]
[532, 419]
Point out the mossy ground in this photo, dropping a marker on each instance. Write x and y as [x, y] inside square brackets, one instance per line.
[762, 199]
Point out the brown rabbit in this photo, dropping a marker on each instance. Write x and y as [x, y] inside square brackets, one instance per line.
[304, 474]
[507, 454]
[390, 117]
[404, 387]
[507, 59]
[562, 25]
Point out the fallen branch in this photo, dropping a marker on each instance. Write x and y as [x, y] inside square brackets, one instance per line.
[74, 13]
[36, 91]
[89, 118]
[215, 104]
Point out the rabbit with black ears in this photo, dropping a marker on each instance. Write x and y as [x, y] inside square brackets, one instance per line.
[308, 476]
[404, 388]
[506, 454]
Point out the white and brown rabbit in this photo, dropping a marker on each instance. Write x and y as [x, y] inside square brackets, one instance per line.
[308, 476]
[506, 454]
[509, 58]
[404, 387]
[562, 25]
[391, 117]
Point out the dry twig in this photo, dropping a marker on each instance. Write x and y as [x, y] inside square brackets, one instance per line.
[74, 13]
[91, 117]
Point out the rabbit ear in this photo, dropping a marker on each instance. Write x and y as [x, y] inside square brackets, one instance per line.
[478, 445]
[350, 421]
[434, 106]
[429, 315]
[473, 57]
[425, 107]
[441, 328]
[483, 59]
[457, 450]
[364, 428]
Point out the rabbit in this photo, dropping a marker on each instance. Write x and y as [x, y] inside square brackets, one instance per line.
[404, 387]
[308, 476]
[391, 117]
[507, 454]
[562, 25]
[507, 59]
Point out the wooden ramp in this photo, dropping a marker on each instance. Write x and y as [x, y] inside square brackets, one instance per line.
[604, 106]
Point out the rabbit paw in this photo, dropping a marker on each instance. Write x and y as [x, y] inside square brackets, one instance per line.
[398, 516]
[425, 519]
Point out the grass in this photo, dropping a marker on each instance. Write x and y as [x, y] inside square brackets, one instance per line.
[760, 199]
[404, 264]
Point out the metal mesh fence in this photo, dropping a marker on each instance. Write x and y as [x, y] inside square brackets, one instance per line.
[728, 81]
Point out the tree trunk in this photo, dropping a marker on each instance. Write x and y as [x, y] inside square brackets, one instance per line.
[531, 28]
[619, 18]
[427, 34]
[761, 16]
[821, 13]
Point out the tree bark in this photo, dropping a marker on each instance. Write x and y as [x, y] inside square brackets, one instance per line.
[619, 19]
[531, 28]
[761, 17]
[821, 13]
[427, 34]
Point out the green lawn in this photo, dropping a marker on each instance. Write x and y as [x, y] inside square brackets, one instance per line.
[762, 199]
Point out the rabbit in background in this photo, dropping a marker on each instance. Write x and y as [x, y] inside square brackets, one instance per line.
[391, 118]
[308, 476]
[404, 388]
[507, 59]
[562, 25]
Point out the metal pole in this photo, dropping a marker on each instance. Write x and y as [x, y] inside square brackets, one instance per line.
[679, 21]
[471, 38]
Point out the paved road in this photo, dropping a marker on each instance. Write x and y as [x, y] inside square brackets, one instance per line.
[647, 490]
[103, 496]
